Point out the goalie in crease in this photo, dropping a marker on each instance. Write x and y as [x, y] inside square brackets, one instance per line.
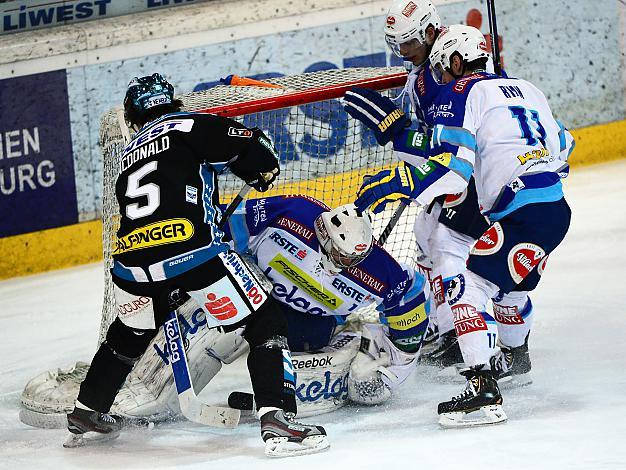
[167, 183]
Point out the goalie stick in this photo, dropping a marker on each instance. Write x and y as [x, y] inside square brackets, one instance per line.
[190, 406]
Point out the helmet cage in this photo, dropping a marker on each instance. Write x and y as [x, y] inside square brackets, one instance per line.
[334, 257]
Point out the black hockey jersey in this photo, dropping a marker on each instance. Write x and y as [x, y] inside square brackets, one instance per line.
[167, 192]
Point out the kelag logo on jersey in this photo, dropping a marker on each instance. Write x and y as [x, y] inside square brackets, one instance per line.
[315, 390]
[156, 234]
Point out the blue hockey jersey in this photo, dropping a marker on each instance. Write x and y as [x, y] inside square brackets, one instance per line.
[279, 232]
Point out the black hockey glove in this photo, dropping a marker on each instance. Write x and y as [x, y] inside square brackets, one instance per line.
[259, 167]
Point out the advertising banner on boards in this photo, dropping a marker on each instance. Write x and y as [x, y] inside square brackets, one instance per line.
[37, 188]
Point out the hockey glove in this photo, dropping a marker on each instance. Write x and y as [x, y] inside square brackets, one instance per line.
[398, 184]
[263, 157]
[377, 112]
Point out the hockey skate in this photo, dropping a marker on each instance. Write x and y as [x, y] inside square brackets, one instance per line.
[511, 366]
[480, 403]
[445, 352]
[285, 437]
[86, 426]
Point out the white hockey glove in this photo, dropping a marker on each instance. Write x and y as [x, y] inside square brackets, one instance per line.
[379, 367]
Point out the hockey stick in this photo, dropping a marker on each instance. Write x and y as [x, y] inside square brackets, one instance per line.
[495, 42]
[190, 406]
[392, 223]
[233, 205]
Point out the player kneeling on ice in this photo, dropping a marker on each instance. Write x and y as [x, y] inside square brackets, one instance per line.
[503, 133]
[169, 251]
[324, 264]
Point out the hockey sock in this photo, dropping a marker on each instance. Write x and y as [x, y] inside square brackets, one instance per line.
[475, 329]
[514, 315]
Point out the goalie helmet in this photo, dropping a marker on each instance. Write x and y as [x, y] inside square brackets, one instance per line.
[345, 237]
[144, 95]
[467, 41]
[408, 20]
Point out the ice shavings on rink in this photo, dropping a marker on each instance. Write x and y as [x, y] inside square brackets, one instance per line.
[571, 417]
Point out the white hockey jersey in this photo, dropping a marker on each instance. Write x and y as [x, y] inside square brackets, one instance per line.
[279, 232]
[502, 131]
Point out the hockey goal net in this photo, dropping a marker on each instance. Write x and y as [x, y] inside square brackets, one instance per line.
[324, 153]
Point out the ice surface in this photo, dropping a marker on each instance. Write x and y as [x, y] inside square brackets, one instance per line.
[572, 417]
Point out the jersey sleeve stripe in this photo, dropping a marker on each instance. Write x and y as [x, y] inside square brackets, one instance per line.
[455, 136]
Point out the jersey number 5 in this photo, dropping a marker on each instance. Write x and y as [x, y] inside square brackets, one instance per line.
[150, 190]
[534, 134]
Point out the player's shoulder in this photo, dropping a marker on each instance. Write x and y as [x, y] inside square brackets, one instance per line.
[379, 272]
[294, 213]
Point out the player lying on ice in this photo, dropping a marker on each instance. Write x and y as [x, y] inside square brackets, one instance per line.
[500, 131]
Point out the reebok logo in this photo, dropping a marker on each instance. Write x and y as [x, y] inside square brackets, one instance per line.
[314, 362]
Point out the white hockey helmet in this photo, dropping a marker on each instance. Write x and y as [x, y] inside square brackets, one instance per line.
[466, 40]
[345, 237]
[408, 20]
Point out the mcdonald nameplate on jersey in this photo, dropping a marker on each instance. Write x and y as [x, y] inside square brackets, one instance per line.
[305, 282]
[158, 233]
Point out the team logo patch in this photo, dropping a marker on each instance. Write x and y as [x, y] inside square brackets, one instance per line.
[522, 259]
[436, 286]
[542, 265]
[507, 314]
[409, 9]
[467, 319]
[455, 289]
[191, 194]
[236, 132]
[454, 199]
[490, 241]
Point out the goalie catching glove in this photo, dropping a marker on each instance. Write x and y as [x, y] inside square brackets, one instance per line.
[377, 112]
[397, 184]
[378, 368]
[261, 156]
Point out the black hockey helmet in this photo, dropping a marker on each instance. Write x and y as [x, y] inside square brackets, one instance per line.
[146, 97]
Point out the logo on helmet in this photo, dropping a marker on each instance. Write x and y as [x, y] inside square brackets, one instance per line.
[483, 46]
[360, 247]
[391, 20]
[409, 9]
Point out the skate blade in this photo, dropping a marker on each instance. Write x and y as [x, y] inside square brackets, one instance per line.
[491, 414]
[515, 381]
[88, 438]
[278, 447]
